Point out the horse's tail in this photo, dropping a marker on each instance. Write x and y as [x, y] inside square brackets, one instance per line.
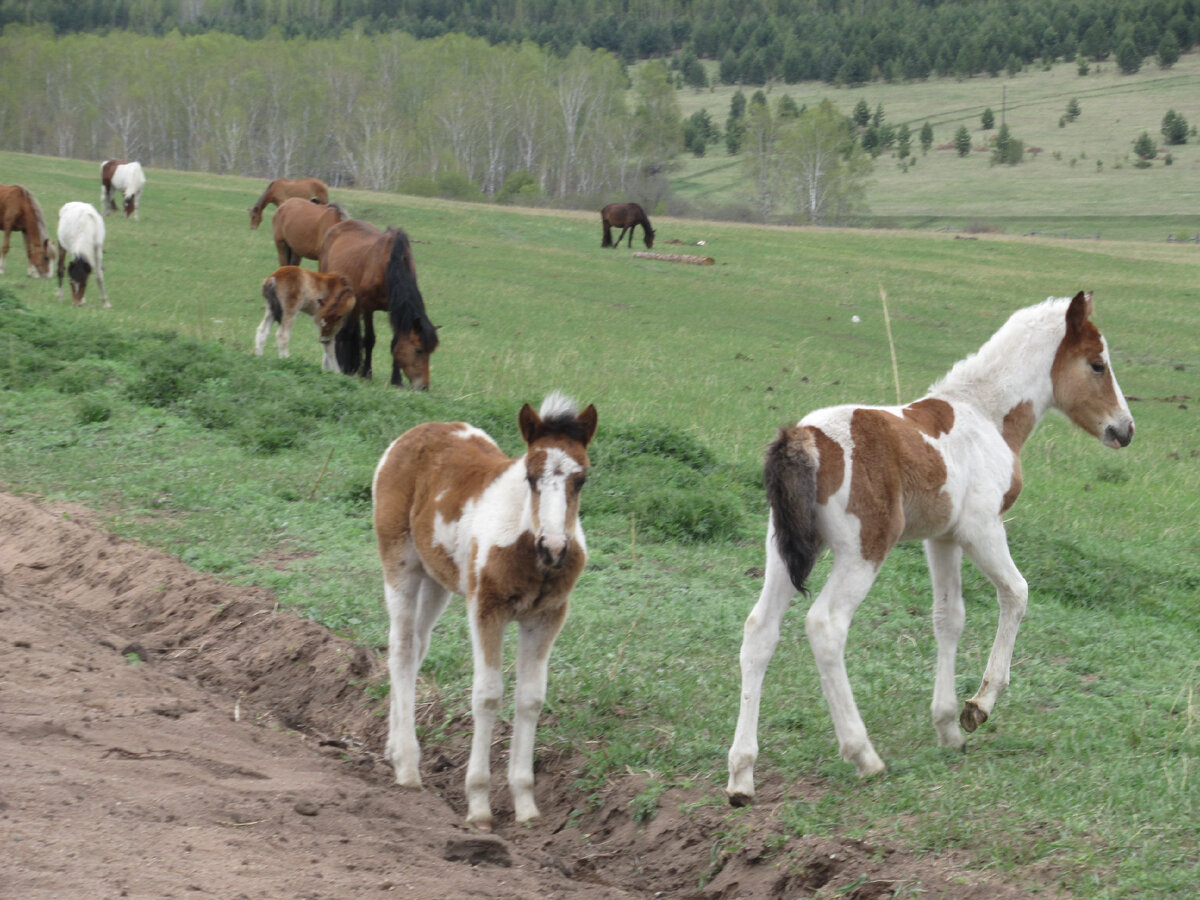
[271, 295]
[406, 306]
[790, 475]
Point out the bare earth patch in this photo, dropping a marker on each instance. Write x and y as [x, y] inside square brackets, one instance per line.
[163, 734]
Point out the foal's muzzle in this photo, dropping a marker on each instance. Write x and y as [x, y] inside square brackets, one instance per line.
[1118, 435]
[552, 550]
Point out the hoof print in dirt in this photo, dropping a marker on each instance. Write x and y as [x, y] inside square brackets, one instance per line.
[478, 850]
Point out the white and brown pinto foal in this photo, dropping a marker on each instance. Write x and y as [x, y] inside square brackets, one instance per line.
[81, 236]
[944, 469]
[454, 514]
[126, 177]
[326, 296]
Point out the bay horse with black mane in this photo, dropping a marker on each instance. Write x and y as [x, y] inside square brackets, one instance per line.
[126, 177]
[454, 514]
[19, 211]
[299, 228]
[381, 270]
[282, 189]
[626, 216]
[326, 296]
[943, 469]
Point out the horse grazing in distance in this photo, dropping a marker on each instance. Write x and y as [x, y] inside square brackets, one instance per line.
[19, 211]
[81, 234]
[381, 270]
[626, 216]
[455, 514]
[282, 189]
[299, 228]
[126, 177]
[944, 469]
[289, 290]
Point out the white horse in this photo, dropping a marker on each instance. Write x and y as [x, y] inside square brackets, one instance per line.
[126, 177]
[455, 514]
[81, 233]
[944, 469]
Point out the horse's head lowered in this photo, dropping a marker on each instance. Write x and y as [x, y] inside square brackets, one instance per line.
[556, 467]
[41, 256]
[1085, 388]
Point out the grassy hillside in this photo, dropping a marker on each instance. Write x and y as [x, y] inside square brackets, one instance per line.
[1083, 182]
[259, 470]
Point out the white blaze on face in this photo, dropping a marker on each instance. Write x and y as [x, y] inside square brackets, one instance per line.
[552, 500]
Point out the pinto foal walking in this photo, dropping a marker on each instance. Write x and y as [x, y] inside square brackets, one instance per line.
[860, 479]
[453, 514]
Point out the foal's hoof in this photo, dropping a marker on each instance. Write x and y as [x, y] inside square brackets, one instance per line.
[738, 799]
[972, 716]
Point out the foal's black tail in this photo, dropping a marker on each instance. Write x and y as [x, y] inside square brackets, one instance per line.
[790, 475]
[406, 306]
[272, 298]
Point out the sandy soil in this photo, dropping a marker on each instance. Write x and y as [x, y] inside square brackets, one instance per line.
[164, 734]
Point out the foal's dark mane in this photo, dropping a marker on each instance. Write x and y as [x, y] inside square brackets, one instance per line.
[406, 306]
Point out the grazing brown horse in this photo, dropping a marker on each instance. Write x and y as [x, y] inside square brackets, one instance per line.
[281, 189]
[380, 267]
[20, 212]
[327, 297]
[300, 227]
[455, 514]
[626, 216]
[126, 177]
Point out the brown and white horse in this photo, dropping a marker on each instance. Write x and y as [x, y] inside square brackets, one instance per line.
[944, 469]
[281, 189]
[126, 177]
[81, 235]
[380, 266]
[327, 297]
[299, 228]
[626, 216]
[453, 514]
[19, 211]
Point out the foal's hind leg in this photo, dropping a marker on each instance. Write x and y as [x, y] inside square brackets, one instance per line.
[537, 636]
[759, 637]
[99, 255]
[263, 332]
[990, 554]
[828, 623]
[945, 570]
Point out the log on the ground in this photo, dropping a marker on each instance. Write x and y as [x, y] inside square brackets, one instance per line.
[676, 257]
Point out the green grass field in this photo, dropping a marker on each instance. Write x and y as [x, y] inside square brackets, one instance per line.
[1082, 183]
[1083, 778]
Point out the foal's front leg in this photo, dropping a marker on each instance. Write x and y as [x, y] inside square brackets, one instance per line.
[537, 637]
[487, 691]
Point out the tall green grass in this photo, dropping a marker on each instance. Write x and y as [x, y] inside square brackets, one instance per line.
[156, 414]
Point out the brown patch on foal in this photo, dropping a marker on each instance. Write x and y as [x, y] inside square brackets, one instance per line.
[1018, 424]
[896, 482]
[934, 417]
[831, 469]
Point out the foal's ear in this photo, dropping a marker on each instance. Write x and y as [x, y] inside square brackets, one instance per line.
[528, 420]
[587, 419]
[1079, 311]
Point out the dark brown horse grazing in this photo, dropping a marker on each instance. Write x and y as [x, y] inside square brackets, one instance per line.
[281, 189]
[300, 228]
[327, 297]
[20, 212]
[380, 267]
[625, 216]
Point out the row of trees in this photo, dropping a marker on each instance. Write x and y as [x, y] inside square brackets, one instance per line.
[380, 112]
[846, 41]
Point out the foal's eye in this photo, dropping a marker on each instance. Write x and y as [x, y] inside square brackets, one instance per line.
[1098, 368]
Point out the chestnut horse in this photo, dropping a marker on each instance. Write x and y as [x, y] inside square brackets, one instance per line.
[944, 469]
[300, 227]
[81, 235]
[126, 177]
[381, 270]
[281, 189]
[455, 514]
[626, 216]
[20, 212]
[289, 290]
